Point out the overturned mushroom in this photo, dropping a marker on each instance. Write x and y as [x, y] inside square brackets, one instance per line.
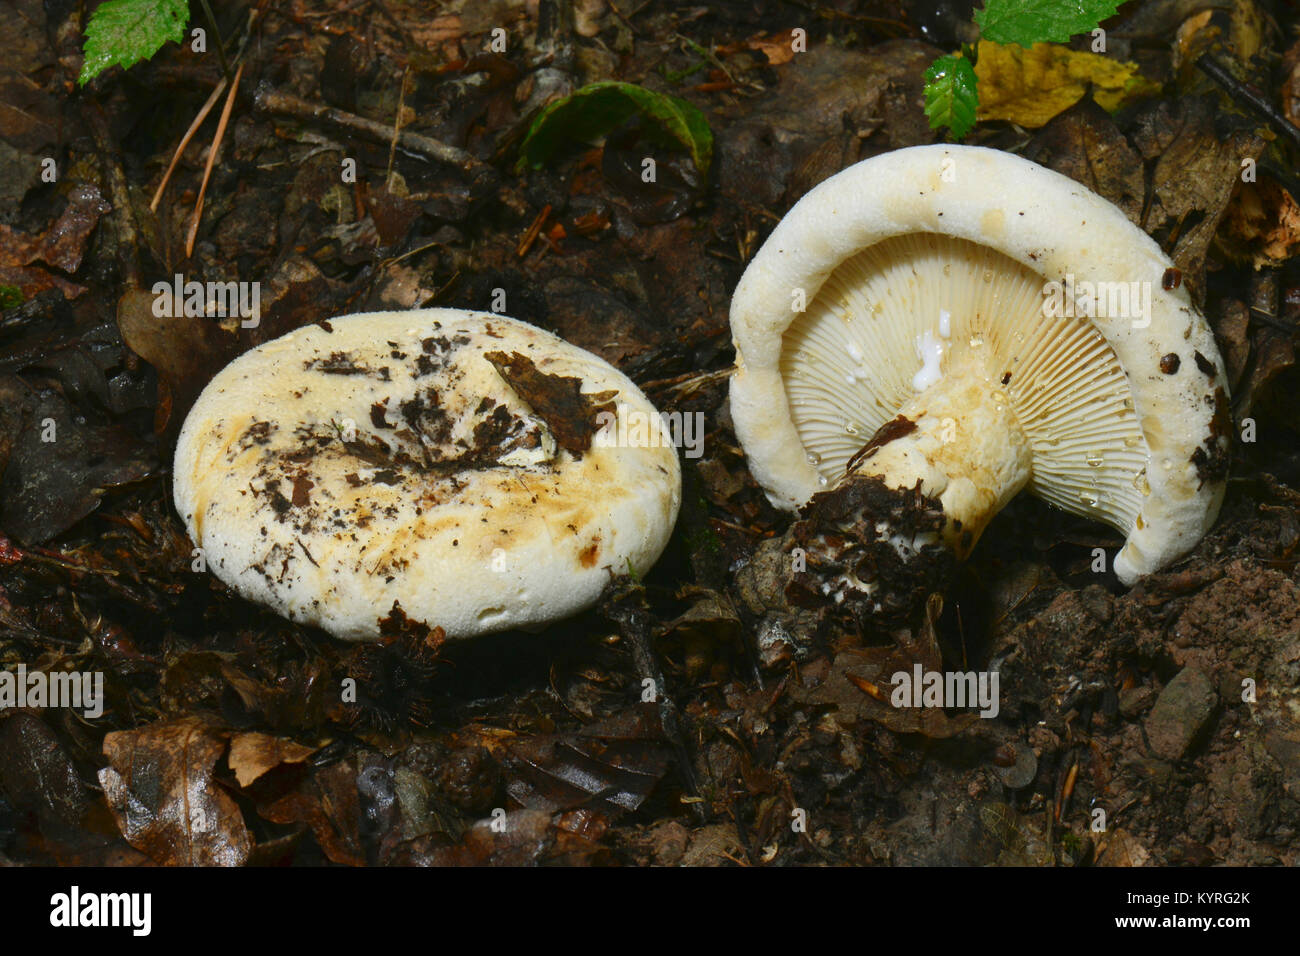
[932, 330]
[459, 468]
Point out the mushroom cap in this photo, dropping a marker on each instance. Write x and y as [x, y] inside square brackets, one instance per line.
[381, 460]
[896, 250]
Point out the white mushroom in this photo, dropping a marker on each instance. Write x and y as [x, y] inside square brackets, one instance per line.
[463, 468]
[948, 339]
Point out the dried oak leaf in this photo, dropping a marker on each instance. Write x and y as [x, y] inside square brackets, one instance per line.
[160, 789]
[253, 754]
[558, 400]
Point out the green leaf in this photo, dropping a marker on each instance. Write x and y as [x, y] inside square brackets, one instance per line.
[127, 31]
[951, 94]
[595, 110]
[1026, 22]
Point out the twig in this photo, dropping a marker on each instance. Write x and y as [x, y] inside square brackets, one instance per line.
[203, 113]
[212, 158]
[268, 100]
[397, 131]
[689, 380]
[185, 141]
[626, 22]
[530, 236]
[216, 32]
[1240, 91]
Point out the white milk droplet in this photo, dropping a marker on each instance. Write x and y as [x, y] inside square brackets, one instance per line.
[930, 351]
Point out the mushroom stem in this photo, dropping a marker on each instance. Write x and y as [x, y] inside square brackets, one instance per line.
[912, 501]
[961, 440]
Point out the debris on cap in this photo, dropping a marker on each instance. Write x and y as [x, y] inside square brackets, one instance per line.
[467, 470]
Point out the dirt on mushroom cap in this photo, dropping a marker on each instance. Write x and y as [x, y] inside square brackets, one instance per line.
[330, 473]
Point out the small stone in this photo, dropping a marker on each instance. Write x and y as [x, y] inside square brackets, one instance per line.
[1181, 712]
[1021, 773]
[669, 841]
[1136, 700]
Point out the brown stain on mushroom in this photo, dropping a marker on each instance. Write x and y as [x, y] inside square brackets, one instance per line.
[993, 222]
[587, 556]
[1206, 366]
[1212, 459]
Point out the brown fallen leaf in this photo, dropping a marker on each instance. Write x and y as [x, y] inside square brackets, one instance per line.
[526, 838]
[557, 399]
[48, 486]
[186, 351]
[328, 803]
[160, 789]
[608, 767]
[1193, 179]
[778, 48]
[33, 280]
[64, 243]
[253, 754]
[1085, 144]
[1262, 225]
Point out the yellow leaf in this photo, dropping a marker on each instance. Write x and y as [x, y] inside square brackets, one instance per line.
[1029, 87]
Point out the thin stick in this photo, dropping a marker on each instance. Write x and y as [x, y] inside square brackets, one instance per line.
[397, 131]
[1238, 90]
[272, 101]
[185, 141]
[212, 158]
[530, 236]
[216, 30]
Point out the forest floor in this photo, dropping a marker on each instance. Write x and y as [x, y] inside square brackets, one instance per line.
[1173, 708]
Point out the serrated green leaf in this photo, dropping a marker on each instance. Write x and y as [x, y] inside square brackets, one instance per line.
[595, 110]
[124, 32]
[951, 94]
[1026, 22]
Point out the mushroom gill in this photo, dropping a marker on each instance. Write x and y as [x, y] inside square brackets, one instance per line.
[894, 324]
